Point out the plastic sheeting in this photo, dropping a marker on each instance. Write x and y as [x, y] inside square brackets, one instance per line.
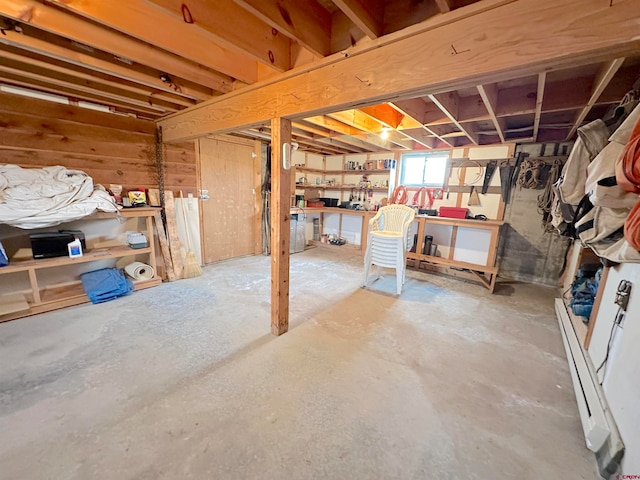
[43, 197]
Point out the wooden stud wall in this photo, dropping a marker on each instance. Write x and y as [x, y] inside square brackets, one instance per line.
[110, 148]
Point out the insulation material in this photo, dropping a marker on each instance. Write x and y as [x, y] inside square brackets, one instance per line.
[139, 271]
[192, 211]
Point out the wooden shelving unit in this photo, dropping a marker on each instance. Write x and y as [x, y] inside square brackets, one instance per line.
[345, 180]
[341, 187]
[383, 171]
[44, 298]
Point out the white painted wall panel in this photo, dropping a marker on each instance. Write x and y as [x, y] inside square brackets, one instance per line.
[472, 245]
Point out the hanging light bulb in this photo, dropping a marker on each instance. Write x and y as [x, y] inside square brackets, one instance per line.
[384, 134]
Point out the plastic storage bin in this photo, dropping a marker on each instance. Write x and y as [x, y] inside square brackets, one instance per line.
[453, 212]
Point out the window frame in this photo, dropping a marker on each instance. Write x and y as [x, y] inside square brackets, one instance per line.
[425, 156]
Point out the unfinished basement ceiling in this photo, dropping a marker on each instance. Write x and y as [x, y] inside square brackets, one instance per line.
[151, 58]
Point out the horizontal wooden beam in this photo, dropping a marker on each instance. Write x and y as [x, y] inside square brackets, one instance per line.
[229, 26]
[308, 22]
[551, 35]
[55, 21]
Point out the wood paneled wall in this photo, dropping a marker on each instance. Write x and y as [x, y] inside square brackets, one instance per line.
[110, 148]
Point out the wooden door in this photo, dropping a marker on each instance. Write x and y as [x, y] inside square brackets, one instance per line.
[230, 171]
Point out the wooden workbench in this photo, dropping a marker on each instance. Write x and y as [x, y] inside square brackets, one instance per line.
[478, 259]
[476, 251]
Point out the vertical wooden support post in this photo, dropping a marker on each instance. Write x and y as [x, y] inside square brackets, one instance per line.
[280, 227]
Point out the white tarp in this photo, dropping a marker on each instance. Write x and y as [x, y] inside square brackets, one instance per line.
[43, 197]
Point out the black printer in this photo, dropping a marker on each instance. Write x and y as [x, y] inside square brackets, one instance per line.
[54, 244]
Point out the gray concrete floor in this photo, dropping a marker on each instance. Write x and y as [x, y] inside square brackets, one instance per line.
[184, 381]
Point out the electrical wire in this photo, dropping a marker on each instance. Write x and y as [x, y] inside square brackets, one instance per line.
[616, 323]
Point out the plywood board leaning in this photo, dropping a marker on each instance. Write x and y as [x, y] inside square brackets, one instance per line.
[172, 233]
[164, 247]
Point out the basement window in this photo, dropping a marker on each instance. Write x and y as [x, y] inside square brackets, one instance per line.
[424, 169]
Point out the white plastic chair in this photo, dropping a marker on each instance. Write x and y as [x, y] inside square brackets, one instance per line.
[387, 242]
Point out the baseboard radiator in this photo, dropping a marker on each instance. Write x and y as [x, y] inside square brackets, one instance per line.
[600, 431]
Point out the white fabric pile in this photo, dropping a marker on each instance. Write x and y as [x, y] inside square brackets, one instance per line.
[43, 197]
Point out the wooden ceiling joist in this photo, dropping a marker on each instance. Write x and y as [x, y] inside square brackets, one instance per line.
[448, 103]
[489, 94]
[385, 114]
[30, 45]
[400, 139]
[307, 23]
[72, 83]
[313, 138]
[306, 143]
[358, 119]
[232, 27]
[604, 76]
[421, 136]
[68, 86]
[358, 143]
[135, 19]
[340, 148]
[412, 107]
[324, 135]
[53, 20]
[355, 124]
[104, 85]
[378, 143]
[367, 15]
[542, 80]
[332, 124]
[561, 35]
